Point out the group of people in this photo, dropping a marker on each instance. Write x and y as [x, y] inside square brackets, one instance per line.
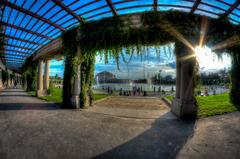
[135, 91]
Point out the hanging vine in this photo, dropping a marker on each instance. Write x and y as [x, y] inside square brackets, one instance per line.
[135, 33]
[29, 74]
[71, 62]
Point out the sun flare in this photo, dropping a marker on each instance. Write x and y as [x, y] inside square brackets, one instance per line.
[208, 59]
[203, 54]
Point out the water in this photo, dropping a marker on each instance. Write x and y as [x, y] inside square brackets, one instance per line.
[150, 87]
[129, 86]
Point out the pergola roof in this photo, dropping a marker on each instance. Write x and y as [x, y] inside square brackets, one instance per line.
[31, 24]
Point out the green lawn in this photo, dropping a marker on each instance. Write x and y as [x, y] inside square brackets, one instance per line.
[208, 106]
[56, 95]
[213, 105]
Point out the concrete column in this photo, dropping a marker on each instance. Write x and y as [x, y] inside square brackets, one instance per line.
[40, 79]
[184, 104]
[178, 75]
[76, 89]
[76, 86]
[1, 83]
[46, 76]
[9, 81]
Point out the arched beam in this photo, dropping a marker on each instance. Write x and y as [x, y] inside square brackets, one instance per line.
[17, 51]
[155, 5]
[59, 3]
[229, 11]
[12, 58]
[110, 4]
[23, 40]
[32, 14]
[26, 30]
[20, 47]
[195, 6]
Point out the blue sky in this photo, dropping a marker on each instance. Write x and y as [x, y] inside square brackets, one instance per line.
[89, 12]
[148, 64]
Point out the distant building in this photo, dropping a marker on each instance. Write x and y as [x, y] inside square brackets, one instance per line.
[105, 76]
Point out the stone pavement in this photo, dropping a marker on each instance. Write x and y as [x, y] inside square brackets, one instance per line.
[132, 107]
[34, 129]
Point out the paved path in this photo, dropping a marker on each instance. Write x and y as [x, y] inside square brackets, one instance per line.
[132, 107]
[34, 129]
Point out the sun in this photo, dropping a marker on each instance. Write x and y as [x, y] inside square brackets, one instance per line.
[208, 59]
[204, 55]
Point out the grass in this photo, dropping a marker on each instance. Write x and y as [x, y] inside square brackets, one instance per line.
[56, 95]
[208, 106]
[213, 105]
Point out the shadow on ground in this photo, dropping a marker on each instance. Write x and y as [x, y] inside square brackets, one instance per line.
[28, 106]
[163, 140]
[72, 134]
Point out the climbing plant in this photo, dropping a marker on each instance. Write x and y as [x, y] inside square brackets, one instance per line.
[235, 76]
[71, 62]
[134, 33]
[87, 77]
[4, 77]
[29, 74]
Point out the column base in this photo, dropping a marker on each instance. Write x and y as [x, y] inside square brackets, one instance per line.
[41, 93]
[184, 108]
[75, 102]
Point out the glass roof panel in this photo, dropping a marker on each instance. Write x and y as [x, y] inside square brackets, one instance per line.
[218, 4]
[176, 2]
[234, 17]
[100, 15]
[19, 3]
[91, 7]
[133, 10]
[206, 13]
[229, 1]
[210, 9]
[50, 19]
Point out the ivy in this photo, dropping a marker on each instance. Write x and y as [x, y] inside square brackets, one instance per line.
[134, 33]
[4, 77]
[29, 74]
[71, 62]
[235, 77]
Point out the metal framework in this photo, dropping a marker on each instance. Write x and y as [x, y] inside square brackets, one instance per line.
[234, 6]
[32, 24]
[195, 6]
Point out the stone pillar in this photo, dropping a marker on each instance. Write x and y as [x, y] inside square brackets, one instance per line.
[40, 79]
[178, 77]
[76, 89]
[1, 83]
[76, 85]
[184, 104]
[8, 80]
[46, 76]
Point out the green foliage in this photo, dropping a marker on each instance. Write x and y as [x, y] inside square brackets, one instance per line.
[5, 75]
[71, 62]
[213, 105]
[110, 35]
[12, 76]
[235, 77]
[29, 74]
[87, 77]
[50, 89]
[56, 95]
[134, 33]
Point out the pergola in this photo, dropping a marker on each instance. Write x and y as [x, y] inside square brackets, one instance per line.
[42, 27]
[28, 25]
